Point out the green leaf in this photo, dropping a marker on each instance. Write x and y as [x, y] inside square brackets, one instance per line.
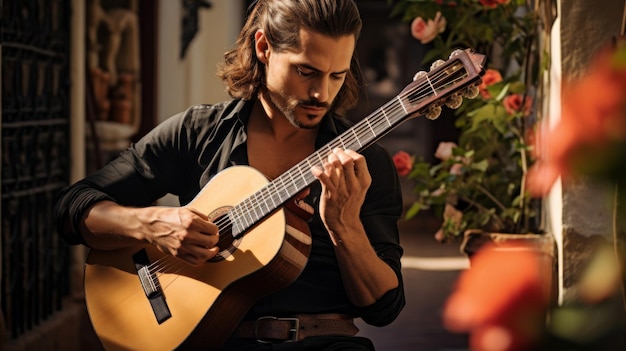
[413, 210]
[480, 166]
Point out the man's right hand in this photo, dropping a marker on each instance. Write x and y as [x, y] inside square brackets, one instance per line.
[179, 231]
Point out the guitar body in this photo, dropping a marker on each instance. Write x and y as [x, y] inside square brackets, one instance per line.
[202, 304]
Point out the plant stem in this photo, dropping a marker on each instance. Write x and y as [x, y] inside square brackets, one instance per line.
[484, 209]
[493, 198]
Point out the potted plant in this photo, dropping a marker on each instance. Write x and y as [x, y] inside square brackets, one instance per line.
[478, 181]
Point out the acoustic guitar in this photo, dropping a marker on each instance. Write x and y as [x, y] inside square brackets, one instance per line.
[139, 298]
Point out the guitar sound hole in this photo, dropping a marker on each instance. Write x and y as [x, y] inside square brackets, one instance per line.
[227, 243]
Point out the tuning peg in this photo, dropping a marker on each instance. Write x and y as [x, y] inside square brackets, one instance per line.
[471, 91]
[437, 64]
[419, 75]
[456, 53]
[454, 101]
[433, 112]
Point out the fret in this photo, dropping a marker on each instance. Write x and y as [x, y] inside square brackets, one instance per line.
[330, 148]
[371, 129]
[402, 105]
[242, 217]
[341, 142]
[236, 224]
[385, 114]
[283, 189]
[302, 175]
[276, 192]
[272, 195]
[356, 137]
[320, 158]
[251, 209]
[265, 192]
[431, 86]
[308, 161]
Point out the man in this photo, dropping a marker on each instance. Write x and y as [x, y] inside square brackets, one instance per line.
[293, 71]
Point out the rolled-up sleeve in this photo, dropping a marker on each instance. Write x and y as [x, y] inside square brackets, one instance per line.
[136, 177]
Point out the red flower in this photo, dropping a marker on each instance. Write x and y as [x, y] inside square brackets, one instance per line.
[492, 4]
[513, 104]
[502, 300]
[592, 117]
[490, 77]
[403, 162]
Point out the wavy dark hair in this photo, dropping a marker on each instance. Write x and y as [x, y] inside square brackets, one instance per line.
[281, 20]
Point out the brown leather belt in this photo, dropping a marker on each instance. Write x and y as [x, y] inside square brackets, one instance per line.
[288, 329]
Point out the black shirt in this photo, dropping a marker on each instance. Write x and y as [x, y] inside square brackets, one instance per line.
[182, 154]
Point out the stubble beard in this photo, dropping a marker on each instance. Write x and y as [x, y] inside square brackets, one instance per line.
[287, 106]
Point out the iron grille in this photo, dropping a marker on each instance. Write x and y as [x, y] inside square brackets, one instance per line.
[35, 159]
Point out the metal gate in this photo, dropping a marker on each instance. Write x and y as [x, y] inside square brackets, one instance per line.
[35, 41]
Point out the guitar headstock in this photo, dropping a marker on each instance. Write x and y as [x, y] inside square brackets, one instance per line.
[447, 83]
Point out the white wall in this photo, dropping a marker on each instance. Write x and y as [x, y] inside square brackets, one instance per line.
[193, 80]
[554, 201]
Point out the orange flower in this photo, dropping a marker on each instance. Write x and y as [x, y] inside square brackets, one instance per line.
[490, 77]
[426, 31]
[403, 162]
[592, 117]
[500, 311]
[513, 104]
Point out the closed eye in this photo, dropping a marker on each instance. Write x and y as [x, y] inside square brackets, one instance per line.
[304, 72]
[338, 76]
[309, 72]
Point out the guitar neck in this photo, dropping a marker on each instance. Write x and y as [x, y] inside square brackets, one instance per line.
[416, 99]
[299, 177]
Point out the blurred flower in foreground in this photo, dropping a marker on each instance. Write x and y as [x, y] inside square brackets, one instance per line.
[502, 300]
[590, 137]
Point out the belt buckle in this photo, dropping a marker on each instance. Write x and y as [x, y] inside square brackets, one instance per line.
[293, 330]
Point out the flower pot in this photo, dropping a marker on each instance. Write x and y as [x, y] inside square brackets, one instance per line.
[543, 245]
[474, 239]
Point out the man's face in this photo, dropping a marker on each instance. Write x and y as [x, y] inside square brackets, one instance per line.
[302, 84]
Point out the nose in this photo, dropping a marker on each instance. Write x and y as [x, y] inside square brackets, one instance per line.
[319, 89]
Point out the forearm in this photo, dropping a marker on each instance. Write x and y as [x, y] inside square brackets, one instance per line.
[108, 226]
[366, 277]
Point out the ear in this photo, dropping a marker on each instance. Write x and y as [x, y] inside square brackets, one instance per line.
[261, 46]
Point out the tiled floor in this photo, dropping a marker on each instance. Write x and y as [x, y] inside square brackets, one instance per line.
[419, 326]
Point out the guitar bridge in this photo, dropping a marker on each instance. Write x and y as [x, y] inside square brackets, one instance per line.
[148, 282]
[151, 286]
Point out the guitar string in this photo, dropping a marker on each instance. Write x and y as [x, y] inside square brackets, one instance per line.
[350, 140]
[419, 91]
